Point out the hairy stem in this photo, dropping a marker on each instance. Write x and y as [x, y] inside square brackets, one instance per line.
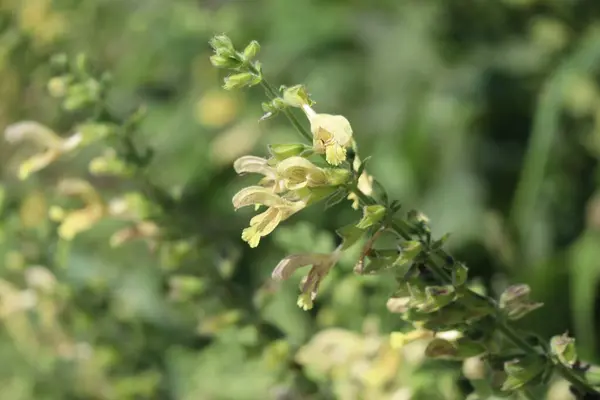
[272, 93]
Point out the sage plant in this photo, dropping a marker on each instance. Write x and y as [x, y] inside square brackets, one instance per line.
[433, 292]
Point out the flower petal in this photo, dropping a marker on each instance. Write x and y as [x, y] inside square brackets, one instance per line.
[34, 132]
[258, 195]
[335, 154]
[37, 162]
[290, 264]
[253, 164]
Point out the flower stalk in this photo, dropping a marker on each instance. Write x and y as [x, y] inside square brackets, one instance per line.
[433, 292]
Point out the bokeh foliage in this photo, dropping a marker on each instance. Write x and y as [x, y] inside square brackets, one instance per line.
[483, 114]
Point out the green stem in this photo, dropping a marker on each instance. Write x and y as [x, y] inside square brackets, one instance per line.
[272, 93]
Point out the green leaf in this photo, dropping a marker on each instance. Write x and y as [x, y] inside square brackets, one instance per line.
[515, 302]
[522, 371]
[371, 215]
[437, 297]
[440, 242]
[350, 234]
[337, 197]
[460, 273]
[380, 190]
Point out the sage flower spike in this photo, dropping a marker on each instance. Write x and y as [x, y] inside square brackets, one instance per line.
[54, 146]
[332, 134]
[321, 265]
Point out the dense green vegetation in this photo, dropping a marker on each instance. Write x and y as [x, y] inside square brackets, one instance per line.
[482, 114]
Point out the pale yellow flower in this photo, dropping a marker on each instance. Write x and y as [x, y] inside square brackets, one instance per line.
[53, 145]
[298, 172]
[259, 165]
[264, 223]
[77, 221]
[332, 134]
[321, 265]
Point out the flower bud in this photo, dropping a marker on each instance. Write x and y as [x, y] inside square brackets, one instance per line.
[515, 301]
[371, 215]
[220, 61]
[408, 252]
[241, 80]
[459, 275]
[283, 151]
[563, 347]
[437, 297]
[222, 45]
[251, 50]
[337, 176]
[296, 96]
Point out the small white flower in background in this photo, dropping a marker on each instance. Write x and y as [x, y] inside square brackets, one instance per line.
[332, 134]
[321, 265]
[54, 146]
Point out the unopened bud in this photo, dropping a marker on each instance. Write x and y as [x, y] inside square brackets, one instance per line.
[516, 303]
[437, 297]
[220, 61]
[251, 50]
[239, 81]
[283, 151]
[222, 45]
[296, 96]
[337, 176]
[459, 275]
[563, 347]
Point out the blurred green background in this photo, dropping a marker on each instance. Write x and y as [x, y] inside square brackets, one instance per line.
[485, 115]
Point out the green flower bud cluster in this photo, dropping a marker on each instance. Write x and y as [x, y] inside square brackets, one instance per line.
[75, 85]
[247, 71]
